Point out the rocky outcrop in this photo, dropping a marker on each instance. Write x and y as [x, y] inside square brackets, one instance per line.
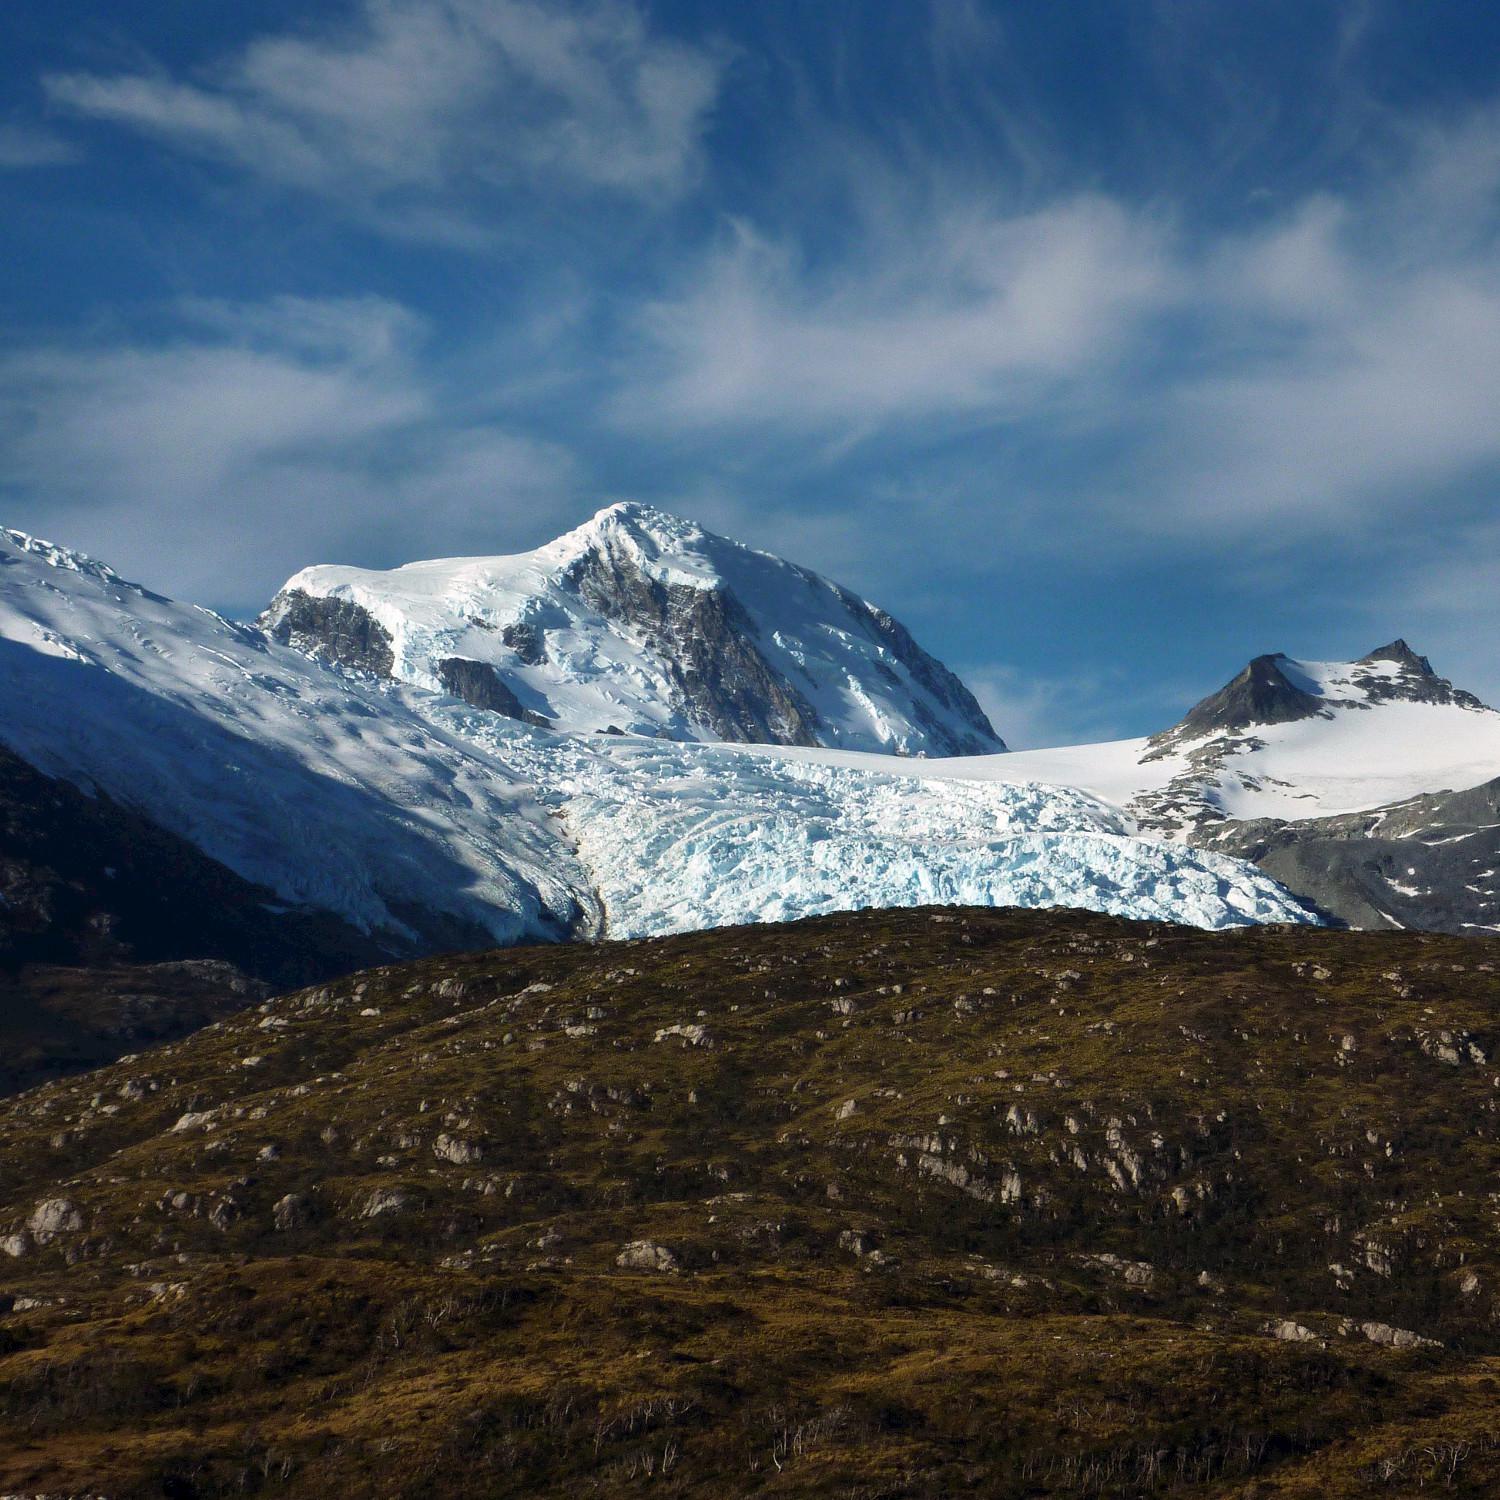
[1262, 693]
[1429, 863]
[646, 1255]
[479, 685]
[1414, 681]
[336, 631]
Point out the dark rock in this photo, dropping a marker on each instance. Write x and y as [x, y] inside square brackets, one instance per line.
[705, 639]
[1428, 863]
[526, 641]
[336, 631]
[479, 685]
[1261, 694]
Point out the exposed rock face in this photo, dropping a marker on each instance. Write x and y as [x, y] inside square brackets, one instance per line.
[1431, 863]
[332, 630]
[526, 641]
[481, 686]
[721, 679]
[1414, 682]
[1261, 694]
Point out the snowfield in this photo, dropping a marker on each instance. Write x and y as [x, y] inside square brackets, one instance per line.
[1355, 760]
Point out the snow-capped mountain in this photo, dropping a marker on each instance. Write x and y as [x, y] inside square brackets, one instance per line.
[638, 622]
[1292, 740]
[419, 818]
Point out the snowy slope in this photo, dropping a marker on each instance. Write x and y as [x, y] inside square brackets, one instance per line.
[334, 794]
[1370, 733]
[641, 622]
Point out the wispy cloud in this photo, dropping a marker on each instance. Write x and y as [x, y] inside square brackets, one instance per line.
[433, 102]
[1032, 710]
[970, 313]
[1322, 365]
[258, 439]
[23, 146]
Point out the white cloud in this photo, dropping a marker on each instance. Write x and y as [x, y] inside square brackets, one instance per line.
[260, 439]
[972, 312]
[1322, 370]
[433, 101]
[23, 146]
[1363, 418]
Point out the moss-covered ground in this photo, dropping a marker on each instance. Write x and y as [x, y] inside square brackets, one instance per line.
[889, 1204]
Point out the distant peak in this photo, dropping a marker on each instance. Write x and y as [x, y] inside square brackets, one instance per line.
[1402, 654]
[1279, 689]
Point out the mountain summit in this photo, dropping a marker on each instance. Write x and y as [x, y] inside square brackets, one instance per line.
[1280, 690]
[643, 623]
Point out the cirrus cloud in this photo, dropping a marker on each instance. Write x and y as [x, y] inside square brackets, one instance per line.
[432, 102]
[258, 438]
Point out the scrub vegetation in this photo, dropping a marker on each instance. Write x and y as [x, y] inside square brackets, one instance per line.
[896, 1203]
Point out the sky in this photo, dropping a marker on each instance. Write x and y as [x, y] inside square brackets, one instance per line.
[1106, 344]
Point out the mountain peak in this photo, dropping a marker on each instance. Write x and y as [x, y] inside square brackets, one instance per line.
[1270, 690]
[643, 622]
[637, 519]
[1279, 689]
[1403, 656]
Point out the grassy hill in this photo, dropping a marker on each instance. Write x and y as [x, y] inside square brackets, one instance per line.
[889, 1204]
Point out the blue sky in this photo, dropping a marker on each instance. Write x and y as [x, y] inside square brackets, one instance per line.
[1106, 344]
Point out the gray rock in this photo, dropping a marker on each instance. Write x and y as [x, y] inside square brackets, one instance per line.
[54, 1216]
[646, 1255]
[480, 685]
[458, 1150]
[294, 1211]
[387, 1203]
[332, 630]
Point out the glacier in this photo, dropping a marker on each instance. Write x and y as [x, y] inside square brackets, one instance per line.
[682, 836]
